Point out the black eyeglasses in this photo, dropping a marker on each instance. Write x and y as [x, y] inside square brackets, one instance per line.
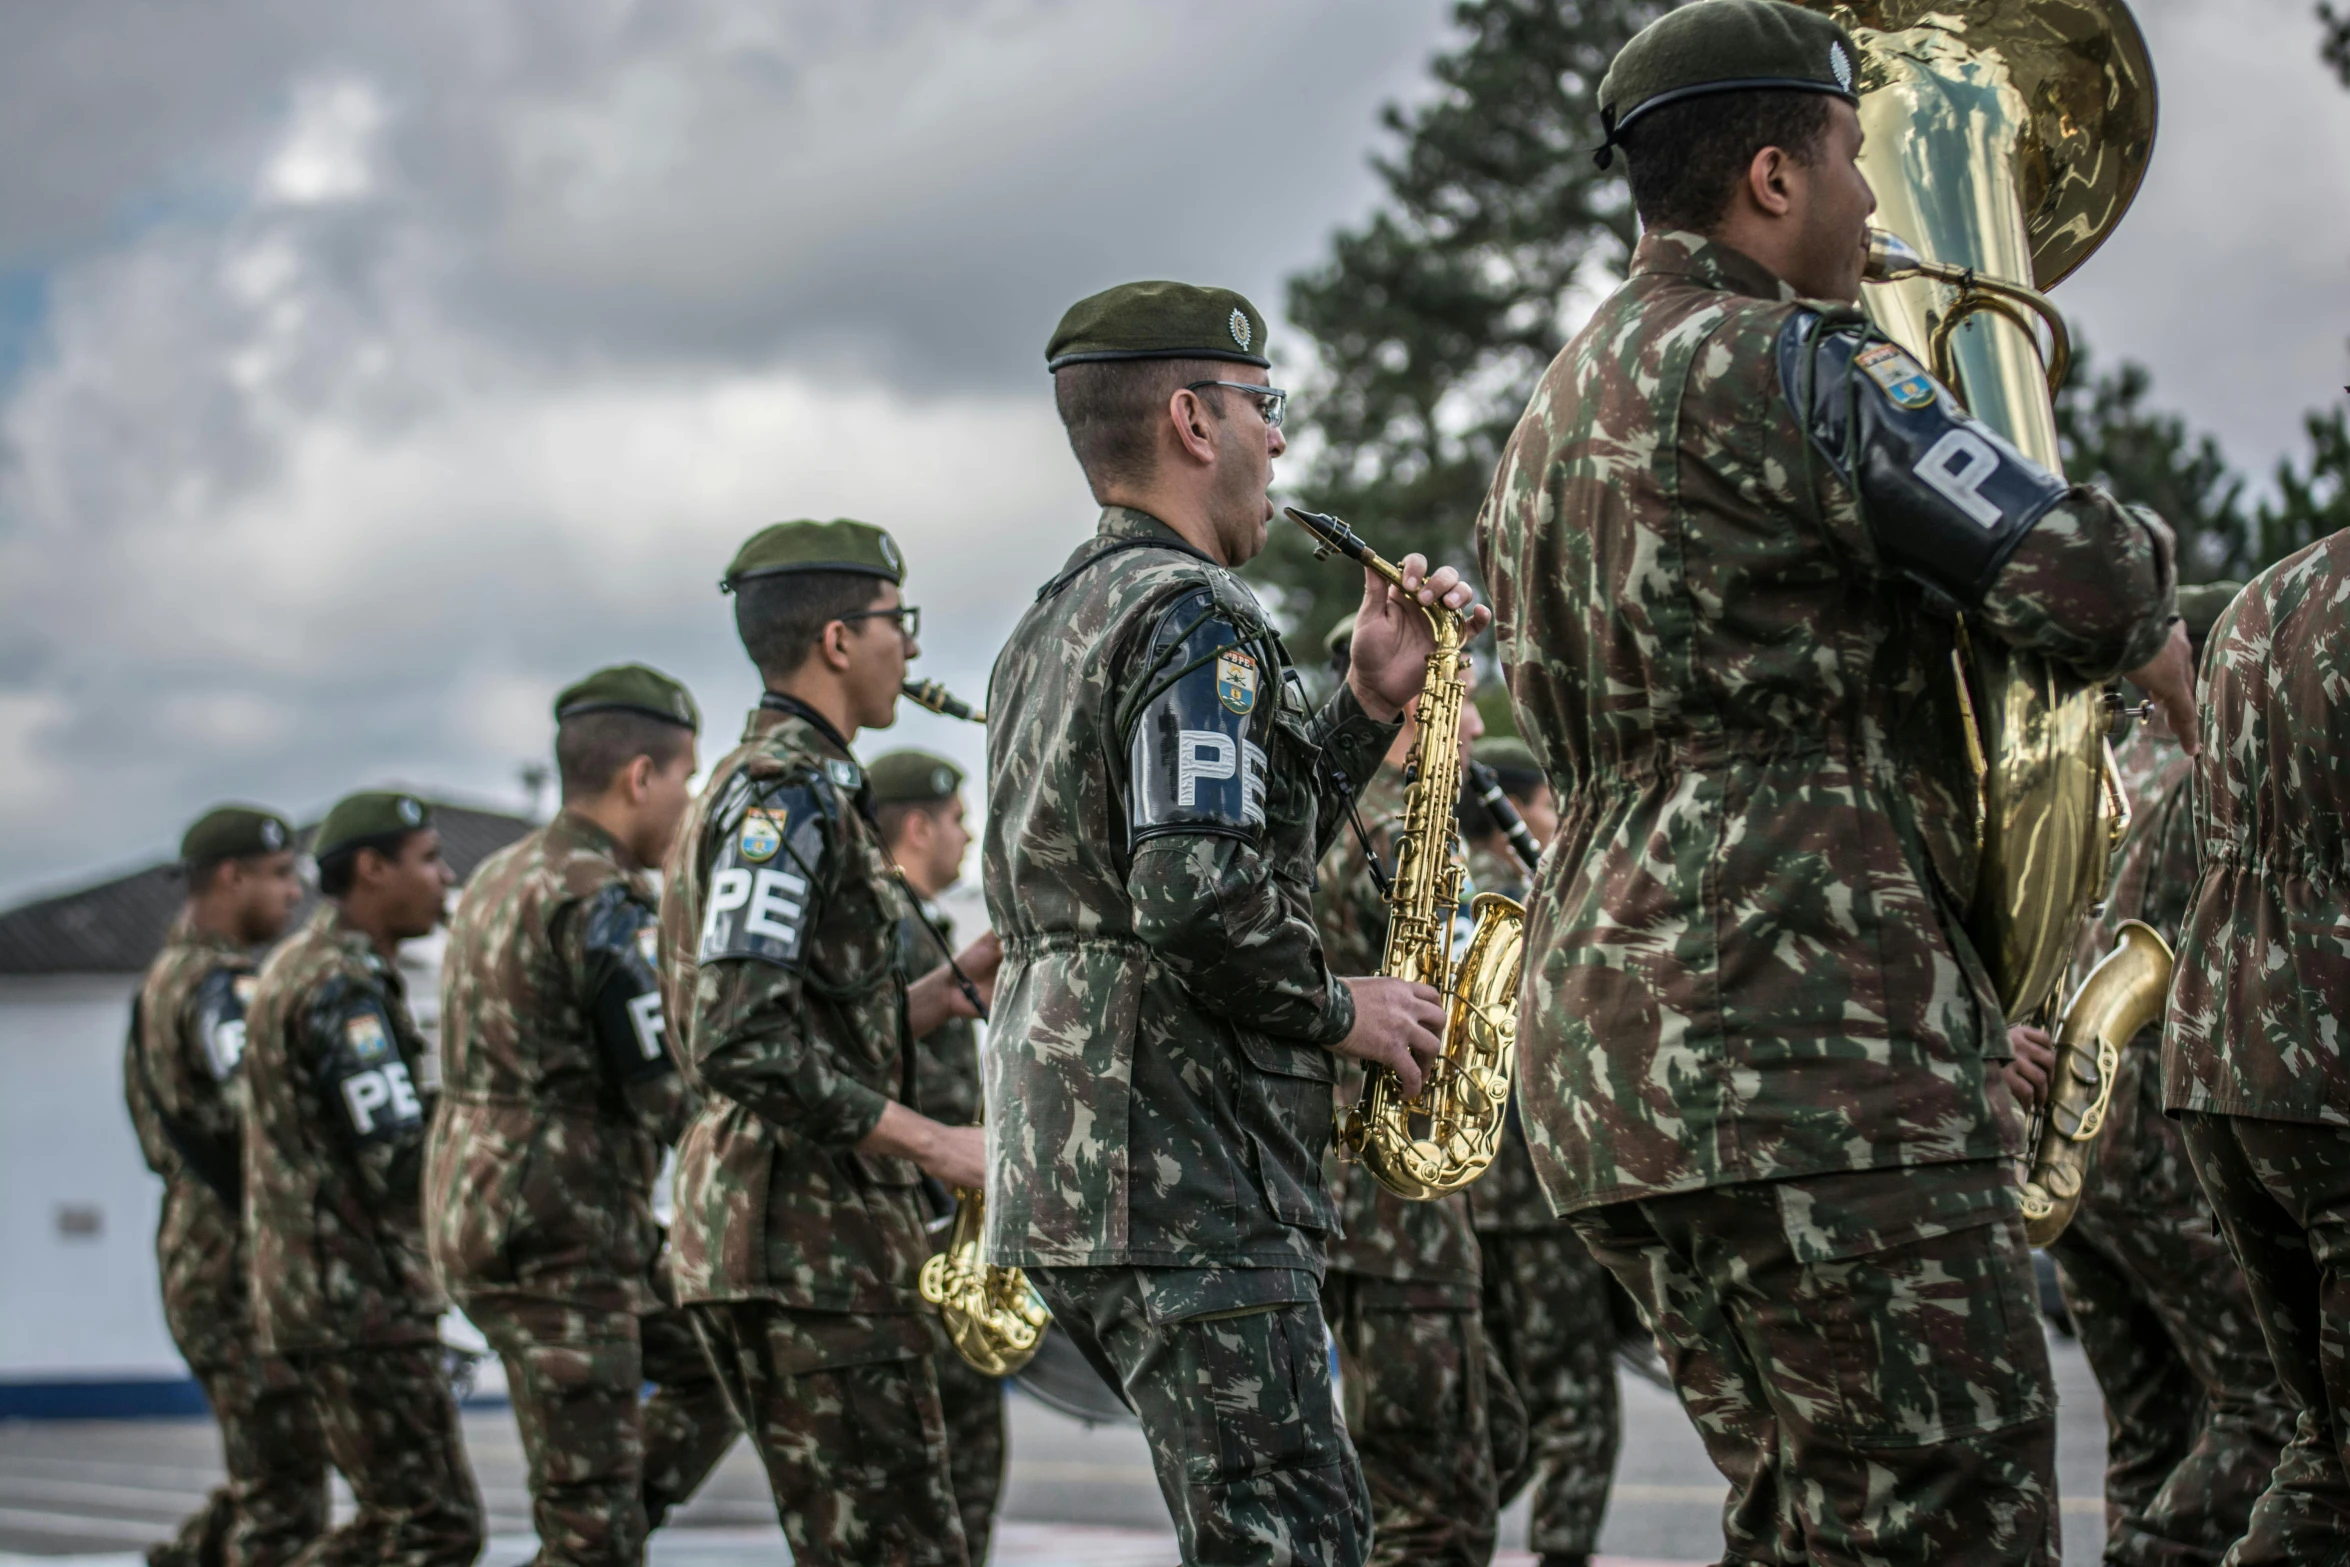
[908, 617]
[1271, 400]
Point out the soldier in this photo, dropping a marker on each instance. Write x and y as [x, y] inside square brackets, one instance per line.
[1552, 1313]
[1430, 1409]
[2252, 1060]
[1760, 1058]
[2194, 1414]
[799, 1232]
[180, 1076]
[334, 1149]
[558, 1097]
[918, 801]
[1159, 1077]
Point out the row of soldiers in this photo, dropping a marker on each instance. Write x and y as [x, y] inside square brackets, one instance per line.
[1765, 1081]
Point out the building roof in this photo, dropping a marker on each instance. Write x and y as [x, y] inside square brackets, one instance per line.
[116, 927]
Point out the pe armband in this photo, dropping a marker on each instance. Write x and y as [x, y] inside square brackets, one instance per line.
[621, 937]
[761, 891]
[1195, 755]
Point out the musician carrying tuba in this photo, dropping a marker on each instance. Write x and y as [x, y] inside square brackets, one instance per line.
[1732, 545]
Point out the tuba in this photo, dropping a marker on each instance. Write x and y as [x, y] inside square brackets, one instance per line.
[2005, 138]
[1422, 1148]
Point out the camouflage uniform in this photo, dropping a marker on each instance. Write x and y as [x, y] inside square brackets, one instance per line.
[180, 1077]
[1756, 1047]
[2194, 1414]
[798, 1254]
[946, 1089]
[334, 1144]
[1430, 1408]
[557, 1098]
[2251, 1053]
[1159, 1076]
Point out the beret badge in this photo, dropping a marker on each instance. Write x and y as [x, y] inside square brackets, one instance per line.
[1239, 325]
[1840, 64]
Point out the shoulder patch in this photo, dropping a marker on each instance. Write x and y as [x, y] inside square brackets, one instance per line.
[365, 1037]
[761, 834]
[1196, 759]
[761, 888]
[1236, 680]
[1903, 378]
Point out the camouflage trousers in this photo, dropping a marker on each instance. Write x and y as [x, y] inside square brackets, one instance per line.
[973, 1404]
[1432, 1414]
[845, 1414]
[390, 1426]
[606, 1464]
[2281, 1193]
[1548, 1314]
[1862, 1357]
[1232, 1387]
[274, 1502]
[2194, 1414]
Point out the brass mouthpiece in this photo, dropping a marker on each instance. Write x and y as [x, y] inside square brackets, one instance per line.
[930, 694]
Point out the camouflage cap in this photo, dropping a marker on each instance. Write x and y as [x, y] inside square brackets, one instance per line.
[2202, 603]
[1159, 321]
[231, 832]
[1718, 46]
[630, 688]
[806, 545]
[371, 816]
[912, 778]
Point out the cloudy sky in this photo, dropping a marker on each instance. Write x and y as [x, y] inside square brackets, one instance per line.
[366, 372]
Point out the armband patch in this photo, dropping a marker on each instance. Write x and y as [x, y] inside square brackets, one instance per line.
[361, 1067]
[1196, 758]
[220, 1020]
[761, 888]
[624, 984]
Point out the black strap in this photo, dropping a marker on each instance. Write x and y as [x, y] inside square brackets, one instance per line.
[1346, 792]
[202, 1158]
[1120, 547]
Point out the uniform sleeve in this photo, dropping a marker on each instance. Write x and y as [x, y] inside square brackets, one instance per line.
[2064, 570]
[365, 1090]
[772, 854]
[216, 1017]
[1205, 896]
[615, 938]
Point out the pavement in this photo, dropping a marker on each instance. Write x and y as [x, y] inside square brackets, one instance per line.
[100, 1490]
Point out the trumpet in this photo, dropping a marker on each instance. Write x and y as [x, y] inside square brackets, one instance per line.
[930, 694]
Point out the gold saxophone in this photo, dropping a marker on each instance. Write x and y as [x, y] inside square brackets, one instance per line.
[1422, 1148]
[992, 1315]
[2004, 139]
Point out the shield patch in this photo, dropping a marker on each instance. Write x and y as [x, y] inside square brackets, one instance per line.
[363, 1034]
[761, 835]
[1236, 681]
[1903, 379]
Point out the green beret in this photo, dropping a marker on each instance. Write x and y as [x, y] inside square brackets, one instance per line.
[838, 545]
[368, 818]
[1507, 754]
[912, 778]
[1159, 321]
[630, 688]
[2202, 603]
[232, 832]
[1724, 46]
[1338, 641]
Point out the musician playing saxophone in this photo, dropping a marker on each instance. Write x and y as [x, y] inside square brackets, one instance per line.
[1759, 1057]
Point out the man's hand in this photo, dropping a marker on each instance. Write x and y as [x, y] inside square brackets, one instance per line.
[2034, 1064]
[1392, 641]
[955, 1155]
[935, 997]
[2169, 678]
[1398, 1025]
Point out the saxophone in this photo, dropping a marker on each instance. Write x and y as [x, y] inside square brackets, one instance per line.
[1422, 1148]
[2004, 140]
[992, 1315]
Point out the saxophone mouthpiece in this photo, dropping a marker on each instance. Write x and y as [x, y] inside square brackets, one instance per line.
[930, 694]
[1330, 534]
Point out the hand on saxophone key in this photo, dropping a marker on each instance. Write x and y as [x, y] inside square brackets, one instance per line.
[2035, 1062]
[2169, 678]
[955, 1155]
[1393, 638]
[1399, 1024]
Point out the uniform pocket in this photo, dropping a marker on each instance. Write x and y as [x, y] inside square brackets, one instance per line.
[1256, 1394]
[1285, 1108]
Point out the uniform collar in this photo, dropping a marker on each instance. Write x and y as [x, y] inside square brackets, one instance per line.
[184, 932]
[775, 709]
[1124, 522]
[328, 923]
[578, 832]
[1707, 263]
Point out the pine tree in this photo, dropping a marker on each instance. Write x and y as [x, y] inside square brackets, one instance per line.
[2334, 46]
[2110, 438]
[1434, 319]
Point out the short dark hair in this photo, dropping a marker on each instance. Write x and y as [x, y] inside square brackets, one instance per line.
[592, 748]
[1109, 407]
[780, 617]
[891, 817]
[200, 874]
[1687, 158]
[338, 870]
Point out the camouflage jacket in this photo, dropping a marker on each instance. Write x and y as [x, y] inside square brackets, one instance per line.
[557, 1091]
[1744, 957]
[2263, 978]
[946, 1060]
[1507, 1198]
[1384, 1236]
[334, 1145]
[1158, 1071]
[181, 1080]
[779, 939]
